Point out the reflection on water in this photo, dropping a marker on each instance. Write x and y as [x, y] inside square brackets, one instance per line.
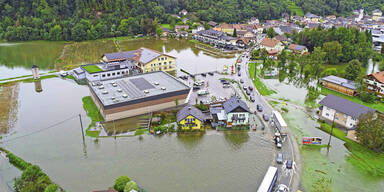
[38, 86]
[236, 138]
[190, 140]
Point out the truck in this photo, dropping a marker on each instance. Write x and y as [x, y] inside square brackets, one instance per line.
[280, 124]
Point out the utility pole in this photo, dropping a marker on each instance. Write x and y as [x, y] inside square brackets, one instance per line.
[82, 129]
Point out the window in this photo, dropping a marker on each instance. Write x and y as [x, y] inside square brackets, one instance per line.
[113, 74]
[118, 73]
[165, 58]
[108, 74]
[123, 72]
[170, 62]
[165, 67]
[165, 63]
[159, 64]
[158, 59]
[350, 124]
[103, 75]
[95, 75]
[162, 58]
[336, 118]
[327, 114]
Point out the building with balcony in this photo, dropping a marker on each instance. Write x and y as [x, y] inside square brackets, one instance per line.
[375, 83]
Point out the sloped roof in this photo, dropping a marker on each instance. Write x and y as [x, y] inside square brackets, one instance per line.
[310, 15]
[120, 55]
[340, 81]
[379, 76]
[281, 38]
[190, 110]
[297, 47]
[233, 103]
[268, 42]
[143, 55]
[345, 106]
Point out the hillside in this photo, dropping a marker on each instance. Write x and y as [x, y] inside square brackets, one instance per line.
[93, 19]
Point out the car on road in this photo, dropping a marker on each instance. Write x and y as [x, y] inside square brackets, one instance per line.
[210, 73]
[248, 92]
[226, 86]
[266, 117]
[278, 142]
[250, 88]
[259, 108]
[279, 158]
[289, 164]
[202, 92]
[203, 74]
[245, 88]
[196, 88]
[241, 81]
[239, 74]
[252, 98]
[282, 188]
[193, 76]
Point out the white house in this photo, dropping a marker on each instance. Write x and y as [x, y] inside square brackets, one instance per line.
[343, 112]
[105, 71]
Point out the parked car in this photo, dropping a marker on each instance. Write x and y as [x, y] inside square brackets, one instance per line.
[196, 88]
[279, 158]
[259, 108]
[245, 88]
[203, 74]
[239, 73]
[248, 92]
[202, 92]
[289, 164]
[266, 117]
[278, 142]
[241, 81]
[252, 98]
[250, 88]
[210, 73]
[282, 188]
[226, 86]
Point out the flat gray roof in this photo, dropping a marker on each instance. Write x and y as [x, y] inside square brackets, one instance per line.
[153, 85]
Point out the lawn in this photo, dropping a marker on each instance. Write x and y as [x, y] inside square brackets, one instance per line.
[294, 8]
[258, 83]
[168, 26]
[92, 68]
[366, 160]
[93, 113]
[376, 106]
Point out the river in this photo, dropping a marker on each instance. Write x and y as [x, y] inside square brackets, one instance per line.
[47, 132]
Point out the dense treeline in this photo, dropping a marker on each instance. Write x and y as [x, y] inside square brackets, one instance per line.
[92, 19]
[341, 45]
[338, 7]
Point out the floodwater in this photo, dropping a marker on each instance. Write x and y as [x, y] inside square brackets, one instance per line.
[16, 59]
[318, 163]
[371, 68]
[47, 132]
[215, 161]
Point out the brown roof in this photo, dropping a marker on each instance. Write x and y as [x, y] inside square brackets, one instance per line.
[379, 76]
[268, 42]
[292, 46]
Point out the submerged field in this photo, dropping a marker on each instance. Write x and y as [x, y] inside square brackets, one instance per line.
[8, 106]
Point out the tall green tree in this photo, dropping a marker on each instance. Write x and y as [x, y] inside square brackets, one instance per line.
[370, 131]
[353, 70]
[333, 51]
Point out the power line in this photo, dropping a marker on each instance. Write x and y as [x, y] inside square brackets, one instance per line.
[40, 130]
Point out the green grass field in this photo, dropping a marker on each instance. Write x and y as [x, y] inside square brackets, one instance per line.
[93, 113]
[366, 160]
[92, 68]
[258, 83]
[294, 8]
[376, 106]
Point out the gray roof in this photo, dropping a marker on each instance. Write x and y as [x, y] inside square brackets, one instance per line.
[345, 106]
[215, 110]
[299, 47]
[211, 32]
[120, 55]
[233, 103]
[78, 70]
[137, 88]
[310, 15]
[340, 81]
[190, 110]
[148, 55]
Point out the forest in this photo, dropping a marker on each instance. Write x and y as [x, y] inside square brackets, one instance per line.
[79, 20]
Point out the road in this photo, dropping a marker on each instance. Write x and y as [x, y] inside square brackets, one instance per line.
[290, 150]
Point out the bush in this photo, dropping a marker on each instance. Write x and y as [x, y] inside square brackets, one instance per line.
[131, 186]
[367, 97]
[120, 183]
[52, 188]
[32, 180]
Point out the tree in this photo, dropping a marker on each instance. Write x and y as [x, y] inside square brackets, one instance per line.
[52, 188]
[271, 32]
[159, 31]
[120, 183]
[353, 70]
[333, 52]
[234, 33]
[131, 186]
[370, 131]
[32, 180]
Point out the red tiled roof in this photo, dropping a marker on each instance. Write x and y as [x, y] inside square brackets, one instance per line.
[379, 76]
[268, 42]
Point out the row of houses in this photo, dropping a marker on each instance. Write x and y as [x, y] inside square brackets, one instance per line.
[123, 64]
[233, 113]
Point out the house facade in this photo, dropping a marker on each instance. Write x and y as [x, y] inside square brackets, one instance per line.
[343, 112]
[146, 60]
[190, 118]
[237, 112]
[271, 44]
[216, 38]
[339, 84]
[375, 83]
[105, 71]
